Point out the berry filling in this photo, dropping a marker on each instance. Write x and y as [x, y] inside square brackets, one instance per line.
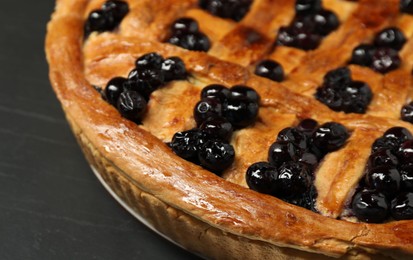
[292, 160]
[217, 114]
[383, 55]
[107, 18]
[231, 9]
[387, 186]
[310, 24]
[185, 33]
[340, 93]
[131, 95]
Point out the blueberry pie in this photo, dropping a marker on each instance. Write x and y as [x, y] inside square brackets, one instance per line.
[247, 129]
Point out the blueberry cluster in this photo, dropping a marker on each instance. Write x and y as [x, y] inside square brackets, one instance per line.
[292, 160]
[387, 188]
[340, 93]
[309, 26]
[107, 18]
[232, 9]
[383, 55]
[220, 111]
[185, 33]
[406, 6]
[130, 95]
[270, 69]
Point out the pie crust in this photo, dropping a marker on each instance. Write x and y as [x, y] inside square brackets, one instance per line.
[219, 217]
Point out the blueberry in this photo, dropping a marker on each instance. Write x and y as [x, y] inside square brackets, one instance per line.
[356, 97]
[306, 40]
[351, 97]
[299, 38]
[330, 137]
[308, 199]
[216, 155]
[140, 86]
[362, 55]
[293, 179]
[106, 19]
[405, 153]
[206, 108]
[385, 179]
[307, 126]
[309, 159]
[240, 111]
[399, 134]
[97, 21]
[174, 69]
[133, 74]
[217, 127]
[385, 60]
[370, 206]
[307, 6]
[390, 38]
[262, 177]
[406, 172]
[281, 152]
[406, 6]
[149, 61]
[406, 113]
[325, 22]
[232, 9]
[241, 91]
[338, 78]
[131, 105]
[286, 36]
[186, 144]
[117, 9]
[294, 136]
[303, 23]
[185, 25]
[402, 206]
[113, 90]
[196, 41]
[216, 91]
[153, 76]
[270, 69]
[382, 157]
[385, 143]
[330, 97]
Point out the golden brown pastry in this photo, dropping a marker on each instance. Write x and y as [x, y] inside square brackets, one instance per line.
[344, 64]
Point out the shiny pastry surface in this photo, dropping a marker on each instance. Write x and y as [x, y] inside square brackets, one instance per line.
[229, 50]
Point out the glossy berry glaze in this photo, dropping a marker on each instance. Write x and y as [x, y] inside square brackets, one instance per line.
[385, 192]
[340, 93]
[185, 33]
[107, 18]
[309, 26]
[293, 159]
[131, 95]
[383, 55]
[220, 111]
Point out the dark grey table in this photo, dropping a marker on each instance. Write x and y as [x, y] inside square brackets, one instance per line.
[51, 204]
